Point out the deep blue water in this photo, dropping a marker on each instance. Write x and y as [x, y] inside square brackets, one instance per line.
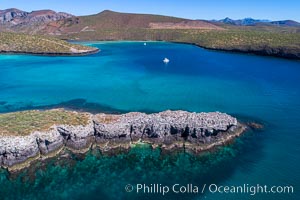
[128, 76]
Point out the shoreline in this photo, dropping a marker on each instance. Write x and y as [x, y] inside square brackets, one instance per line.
[122, 148]
[259, 52]
[168, 130]
[90, 52]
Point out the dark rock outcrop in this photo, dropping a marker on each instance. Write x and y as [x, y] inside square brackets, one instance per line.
[17, 150]
[165, 127]
[77, 137]
[49, 141]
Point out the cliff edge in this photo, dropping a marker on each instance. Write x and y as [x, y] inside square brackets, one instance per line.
[169, 130]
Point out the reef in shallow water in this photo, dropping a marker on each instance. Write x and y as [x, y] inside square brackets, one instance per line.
[95, 175]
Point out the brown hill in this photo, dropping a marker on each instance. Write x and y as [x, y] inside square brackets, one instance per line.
[109, 20]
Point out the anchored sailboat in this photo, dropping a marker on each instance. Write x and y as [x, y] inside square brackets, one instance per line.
[166, 60]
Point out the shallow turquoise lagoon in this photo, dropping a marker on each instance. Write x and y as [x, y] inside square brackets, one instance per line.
[128, 76]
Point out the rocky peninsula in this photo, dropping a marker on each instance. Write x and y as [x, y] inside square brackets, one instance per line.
[17, 43]
[31, 135]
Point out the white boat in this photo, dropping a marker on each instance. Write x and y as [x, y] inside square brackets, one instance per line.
[166, 60]
[145, 44]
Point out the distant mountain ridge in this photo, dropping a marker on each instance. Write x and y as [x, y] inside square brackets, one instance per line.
[53, 23]
[57, 23]
[253, 22]
[12, 17]
[286, 23]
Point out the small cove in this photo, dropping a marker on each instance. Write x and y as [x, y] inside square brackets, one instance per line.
[129, 76]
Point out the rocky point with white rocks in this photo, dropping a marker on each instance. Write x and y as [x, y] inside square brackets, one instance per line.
[169, 130]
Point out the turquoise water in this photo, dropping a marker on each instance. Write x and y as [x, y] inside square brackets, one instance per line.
[128, 76]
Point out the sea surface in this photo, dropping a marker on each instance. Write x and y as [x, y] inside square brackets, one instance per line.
[131, 76]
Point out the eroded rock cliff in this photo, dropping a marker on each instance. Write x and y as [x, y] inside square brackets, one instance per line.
[169, 130]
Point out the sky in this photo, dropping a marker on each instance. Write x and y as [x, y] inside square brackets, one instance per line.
[192, 9]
